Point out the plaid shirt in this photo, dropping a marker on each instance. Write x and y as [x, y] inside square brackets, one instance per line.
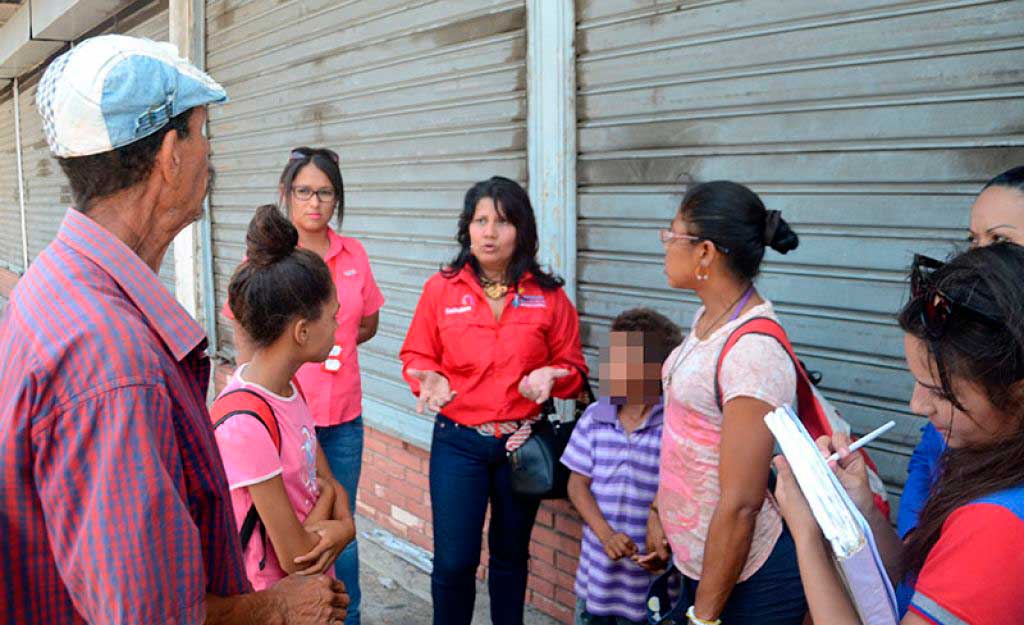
[114, 507]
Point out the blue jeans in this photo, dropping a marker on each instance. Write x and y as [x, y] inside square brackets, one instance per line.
[773, 595]
[467, 471]
[343, 446]
[586, 618]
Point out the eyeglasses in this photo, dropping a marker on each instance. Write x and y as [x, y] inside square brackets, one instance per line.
[305, 193]
[304, 152]
[939, 307]
[667, 236]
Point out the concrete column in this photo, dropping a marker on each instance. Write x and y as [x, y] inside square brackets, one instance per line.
[551, 131]
[193, 248]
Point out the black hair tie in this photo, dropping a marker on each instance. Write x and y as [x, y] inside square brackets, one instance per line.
[771, 226]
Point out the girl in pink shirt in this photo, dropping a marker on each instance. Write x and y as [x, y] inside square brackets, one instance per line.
[284, 299]
[313, 194]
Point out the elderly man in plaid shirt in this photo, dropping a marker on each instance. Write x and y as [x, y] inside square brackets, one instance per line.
[114, 506]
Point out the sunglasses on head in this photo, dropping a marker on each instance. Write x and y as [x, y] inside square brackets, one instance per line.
[940, 307]
[304, 152]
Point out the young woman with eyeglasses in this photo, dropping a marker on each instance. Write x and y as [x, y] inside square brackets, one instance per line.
[996, 216]
[964, 344]
[725, 534]
[312, 193]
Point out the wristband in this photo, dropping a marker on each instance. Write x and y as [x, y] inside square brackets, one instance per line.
[690, 614]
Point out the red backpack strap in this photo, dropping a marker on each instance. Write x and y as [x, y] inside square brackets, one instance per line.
[810, 412]
[245, 401]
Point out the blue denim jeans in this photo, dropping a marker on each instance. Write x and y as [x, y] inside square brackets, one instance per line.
[583, 617]
[343, 446]
[468, 471]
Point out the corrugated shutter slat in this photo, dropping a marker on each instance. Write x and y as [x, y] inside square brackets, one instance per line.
[869, 124]
[420, 99]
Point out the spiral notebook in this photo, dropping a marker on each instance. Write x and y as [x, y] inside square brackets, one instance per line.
[847, 532]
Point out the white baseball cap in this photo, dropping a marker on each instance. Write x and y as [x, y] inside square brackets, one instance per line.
[112, 90]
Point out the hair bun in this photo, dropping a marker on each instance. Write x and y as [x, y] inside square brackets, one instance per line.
[270, 237]
[778, 235]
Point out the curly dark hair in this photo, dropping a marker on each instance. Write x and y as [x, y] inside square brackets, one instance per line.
[660, 334]
[100, 175]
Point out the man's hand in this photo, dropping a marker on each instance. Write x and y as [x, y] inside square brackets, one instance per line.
[306, 600]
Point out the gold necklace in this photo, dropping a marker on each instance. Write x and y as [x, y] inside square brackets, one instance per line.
[493, 288]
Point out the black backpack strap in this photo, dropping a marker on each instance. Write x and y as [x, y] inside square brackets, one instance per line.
[252, 518]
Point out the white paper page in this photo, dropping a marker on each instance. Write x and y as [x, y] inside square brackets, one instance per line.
[843, 525]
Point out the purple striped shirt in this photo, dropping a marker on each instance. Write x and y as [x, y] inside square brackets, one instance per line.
[623, 469]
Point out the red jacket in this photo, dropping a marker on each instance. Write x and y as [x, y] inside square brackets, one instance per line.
[454, 333]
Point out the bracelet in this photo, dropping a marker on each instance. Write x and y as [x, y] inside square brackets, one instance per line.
[690, 614]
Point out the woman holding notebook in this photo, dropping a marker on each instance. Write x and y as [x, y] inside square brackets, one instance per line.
[964, 342]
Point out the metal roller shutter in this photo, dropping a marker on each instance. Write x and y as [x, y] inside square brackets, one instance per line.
[420, 99]
[47, 194]
[10, 217]
[870, 124]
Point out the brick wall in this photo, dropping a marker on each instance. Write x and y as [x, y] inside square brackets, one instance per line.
[394, 492]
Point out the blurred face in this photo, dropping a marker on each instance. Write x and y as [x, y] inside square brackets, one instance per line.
[629, 373]
[997, 215]
[982, 424]
[683, 254]
[492, 238]
[312, 200]
[321, 332]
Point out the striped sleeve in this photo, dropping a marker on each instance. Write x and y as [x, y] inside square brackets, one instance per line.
[578, 454]
[107, 482]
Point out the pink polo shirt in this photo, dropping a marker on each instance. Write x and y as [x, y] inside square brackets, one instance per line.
[337, 397]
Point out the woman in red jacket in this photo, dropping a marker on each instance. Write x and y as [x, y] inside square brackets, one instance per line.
[493, 337]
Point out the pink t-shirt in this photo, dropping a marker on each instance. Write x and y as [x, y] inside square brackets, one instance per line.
[337, 397]
[250, 457]
[758, 367]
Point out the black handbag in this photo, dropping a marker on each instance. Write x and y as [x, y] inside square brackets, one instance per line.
[537, 470]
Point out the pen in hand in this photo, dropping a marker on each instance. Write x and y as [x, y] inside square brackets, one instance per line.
[860, 442]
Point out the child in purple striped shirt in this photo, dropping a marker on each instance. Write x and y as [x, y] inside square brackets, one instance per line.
[613, 455]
